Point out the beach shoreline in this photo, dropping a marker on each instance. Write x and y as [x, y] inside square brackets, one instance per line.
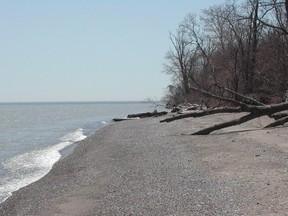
[143, 167]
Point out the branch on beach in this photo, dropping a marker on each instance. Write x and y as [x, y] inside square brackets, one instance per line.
[279, 115]
[123, 119]
[147, 114]
[233, 122]
[278, 122]
[203, 113]
[254, 111]
[141, 115]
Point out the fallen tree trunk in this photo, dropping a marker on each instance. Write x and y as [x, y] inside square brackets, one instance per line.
[254, 112]
[140, 115]
[255, 102]
[203, 113]
[279, 115]
[123, 119]
[209, 94]
[233, 122]
[147, 114]
[278, 122]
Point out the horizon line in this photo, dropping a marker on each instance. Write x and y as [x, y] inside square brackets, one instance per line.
[96, 101]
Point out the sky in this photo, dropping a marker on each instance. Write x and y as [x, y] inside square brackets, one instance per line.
[87, 50]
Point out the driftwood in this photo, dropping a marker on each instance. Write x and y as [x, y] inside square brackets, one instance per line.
[256, 110]
[227, 124]
[123, 119]
[203, 113]
[278, 122]
[187, 107]
[279, 115]
[147, 114]
[141, 115]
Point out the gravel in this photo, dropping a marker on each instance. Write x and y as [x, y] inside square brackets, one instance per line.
[143, 167]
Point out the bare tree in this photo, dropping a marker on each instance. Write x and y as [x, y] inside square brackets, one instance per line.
[275, 14]
[178, 58]
[222, 24]
[188, 57]
[227, 48]
[238, 52]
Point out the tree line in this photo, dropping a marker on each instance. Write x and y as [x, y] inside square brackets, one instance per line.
[235, 49]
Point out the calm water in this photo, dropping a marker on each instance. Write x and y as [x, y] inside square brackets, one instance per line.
[33, 135]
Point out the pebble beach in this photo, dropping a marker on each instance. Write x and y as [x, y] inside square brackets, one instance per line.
[144, 167]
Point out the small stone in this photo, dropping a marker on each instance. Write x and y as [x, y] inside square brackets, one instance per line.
[257, 155]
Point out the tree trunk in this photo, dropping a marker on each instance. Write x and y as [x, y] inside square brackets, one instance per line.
[203, 113]
[233, 122]
[286, 7]
[280, 121]
[255, 112]
[147, 114]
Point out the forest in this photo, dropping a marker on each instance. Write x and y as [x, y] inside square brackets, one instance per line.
[232, 49]
[231, 58]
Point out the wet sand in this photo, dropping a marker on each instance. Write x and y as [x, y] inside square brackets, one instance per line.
[143, 167]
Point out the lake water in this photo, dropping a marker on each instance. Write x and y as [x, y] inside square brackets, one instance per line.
[33, 136]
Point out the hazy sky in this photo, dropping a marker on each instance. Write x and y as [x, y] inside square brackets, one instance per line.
[87, 50]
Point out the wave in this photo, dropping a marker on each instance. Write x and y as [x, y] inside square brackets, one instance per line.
[29, 167]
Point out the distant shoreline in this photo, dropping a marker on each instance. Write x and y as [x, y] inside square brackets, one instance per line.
[72, 102]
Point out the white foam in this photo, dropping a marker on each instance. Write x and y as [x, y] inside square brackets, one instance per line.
[27, 168]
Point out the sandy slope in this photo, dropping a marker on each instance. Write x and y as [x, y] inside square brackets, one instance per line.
[143, 167]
